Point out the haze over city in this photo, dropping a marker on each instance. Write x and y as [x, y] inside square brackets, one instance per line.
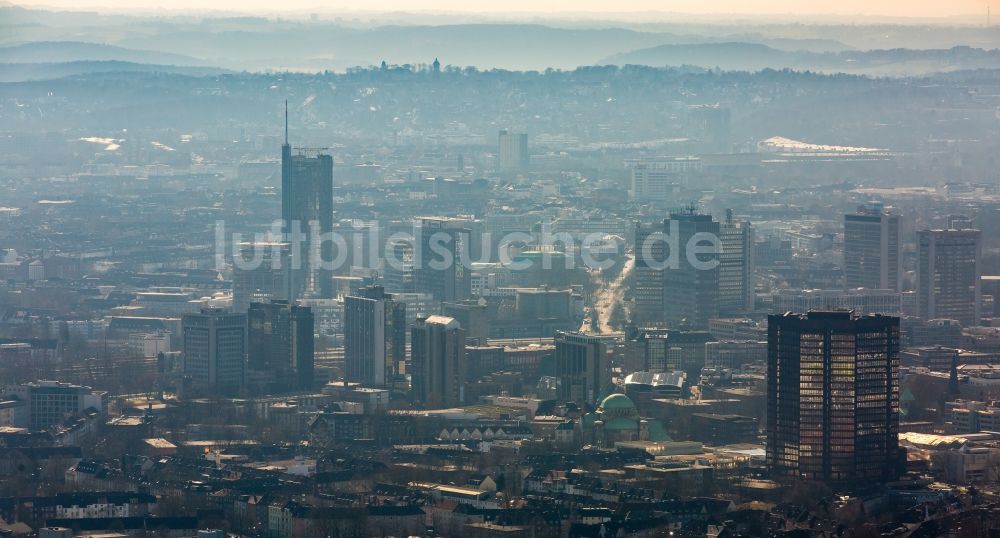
[894, 8]
[533, 269]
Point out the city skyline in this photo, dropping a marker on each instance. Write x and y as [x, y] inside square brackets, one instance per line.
[296, 273]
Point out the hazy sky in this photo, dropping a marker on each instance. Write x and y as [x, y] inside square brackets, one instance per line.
[899, 8]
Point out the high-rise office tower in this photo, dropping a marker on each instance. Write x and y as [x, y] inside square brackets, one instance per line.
[582, 367]
[647, 350]
[833, 396]
[948, 273]
[871, 249]
[281, 352]
[397, 272]
[437, 362]
[306, 212]
[303, 331]
[736, 270]
[691, 290]
[439, 268]
[374, 336]
[512, 151]
[215, 347]
[647, 275]
[262, 273]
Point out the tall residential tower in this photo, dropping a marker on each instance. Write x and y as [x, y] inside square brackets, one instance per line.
[512, 151]
[948, 273]
[438, 362]
[374, 336]
[871, 249]
[736, 268]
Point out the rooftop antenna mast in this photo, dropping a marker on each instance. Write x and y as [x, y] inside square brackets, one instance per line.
[286, 122]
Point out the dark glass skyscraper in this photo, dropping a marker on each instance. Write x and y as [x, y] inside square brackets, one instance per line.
[691, 287]
[582, 367]
[307, 208]
[833, 396]
[281, 351]
[647, 280]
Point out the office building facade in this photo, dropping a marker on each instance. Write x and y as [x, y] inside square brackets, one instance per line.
[306, 212]
[215, 347]
[647, 274]
[871, 249]
[660, 180]
[833, 397]
[437, 362]
[582, 367]
[736, 268]
[281, 351]
[512, 151]
[374, 336]
[948, 273]
[691, 281]
[43, 404]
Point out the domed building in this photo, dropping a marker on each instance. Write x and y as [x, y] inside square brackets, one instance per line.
[617, 420]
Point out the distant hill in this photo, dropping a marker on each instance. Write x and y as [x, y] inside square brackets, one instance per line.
[19, 72]
[330, 46]
[754, 57]
[789, 44]
[76, 51]
[259, 44]
[323, 45]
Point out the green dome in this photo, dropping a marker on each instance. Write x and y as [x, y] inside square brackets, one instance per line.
[620, 424]
[617, 401]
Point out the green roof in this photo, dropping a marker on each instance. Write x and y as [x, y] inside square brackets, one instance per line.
[621, 423]
[617, 401]
[656, 432]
